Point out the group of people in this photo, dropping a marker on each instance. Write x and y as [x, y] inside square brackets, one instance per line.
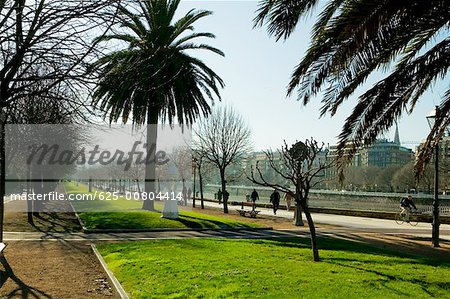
[222, 195]
[274, 199]
[406, 203]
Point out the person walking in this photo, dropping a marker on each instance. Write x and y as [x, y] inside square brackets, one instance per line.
[288, 200]
[219, 196]
[226, 195]
[254, 197]
[275, 200]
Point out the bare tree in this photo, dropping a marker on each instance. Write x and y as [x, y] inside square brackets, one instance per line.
[45, 40]
[48, 40]
[301, 164]
[181, 157]
[224, 137]
[199, 160]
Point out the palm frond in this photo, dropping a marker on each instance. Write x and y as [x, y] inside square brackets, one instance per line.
[282, 16]
[157, 75]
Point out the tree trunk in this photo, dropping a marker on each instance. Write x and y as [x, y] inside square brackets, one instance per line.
[29, 202]
[193, 187]
[90, 185]
[184, 193]
[2, 171]
[138, 187]
[200, 178]
[225, 200]
[298, 219]
[312, 230]
[150, 165]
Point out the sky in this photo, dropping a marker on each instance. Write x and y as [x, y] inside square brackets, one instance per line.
[256, 70]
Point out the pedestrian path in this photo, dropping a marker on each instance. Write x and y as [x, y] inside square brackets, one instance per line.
[356, 223]
[257, 234]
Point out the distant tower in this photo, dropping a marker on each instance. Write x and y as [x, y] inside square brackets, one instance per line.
[397, 135]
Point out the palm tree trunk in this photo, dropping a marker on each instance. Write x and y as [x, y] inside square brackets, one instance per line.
[150, 166]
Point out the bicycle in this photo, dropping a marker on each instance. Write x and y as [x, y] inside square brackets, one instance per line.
[401, 217]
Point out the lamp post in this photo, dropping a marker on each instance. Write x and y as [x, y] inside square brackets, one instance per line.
[431, 118]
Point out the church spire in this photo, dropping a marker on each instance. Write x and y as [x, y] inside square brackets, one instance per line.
[397, 135]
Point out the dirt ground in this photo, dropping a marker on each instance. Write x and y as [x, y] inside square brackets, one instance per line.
[17, 221]
[51, 269]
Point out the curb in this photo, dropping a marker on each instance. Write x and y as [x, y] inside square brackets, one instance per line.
[119, 291]
[427, 218]
[83, 227]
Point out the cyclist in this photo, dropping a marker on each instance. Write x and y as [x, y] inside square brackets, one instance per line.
[407, 204]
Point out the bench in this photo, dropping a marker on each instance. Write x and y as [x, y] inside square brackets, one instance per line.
[251, 213]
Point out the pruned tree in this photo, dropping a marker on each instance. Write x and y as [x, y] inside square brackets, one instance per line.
[301, 164]
[224, 137]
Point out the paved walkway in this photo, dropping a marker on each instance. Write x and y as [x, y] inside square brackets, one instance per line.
[37, 236]
[361, 224]
[342, 225]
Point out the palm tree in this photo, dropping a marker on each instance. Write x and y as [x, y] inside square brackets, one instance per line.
[154, 78]
[353, 38]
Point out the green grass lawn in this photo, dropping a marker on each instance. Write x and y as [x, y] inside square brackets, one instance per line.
[218, 268]
[128, 214]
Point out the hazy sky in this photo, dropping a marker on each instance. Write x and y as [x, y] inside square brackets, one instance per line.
[256, 71]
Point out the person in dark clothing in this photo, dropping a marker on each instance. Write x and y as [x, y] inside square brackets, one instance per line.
[254, 197]
[275, 200]
[226, 195]
[407, 204]
[219, 196]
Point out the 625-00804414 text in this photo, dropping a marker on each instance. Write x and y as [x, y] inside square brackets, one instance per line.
[56, 196]
[153, 196]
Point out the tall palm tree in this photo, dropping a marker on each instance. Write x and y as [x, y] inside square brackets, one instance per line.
[154, 78]
[353, 38]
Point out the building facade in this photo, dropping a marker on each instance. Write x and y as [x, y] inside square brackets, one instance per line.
[384, 153]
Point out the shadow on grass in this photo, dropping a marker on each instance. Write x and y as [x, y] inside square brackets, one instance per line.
[23, 290]
[369, 265]
[196, 222]
[424, 285]
[152, 220]
[358, 244]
